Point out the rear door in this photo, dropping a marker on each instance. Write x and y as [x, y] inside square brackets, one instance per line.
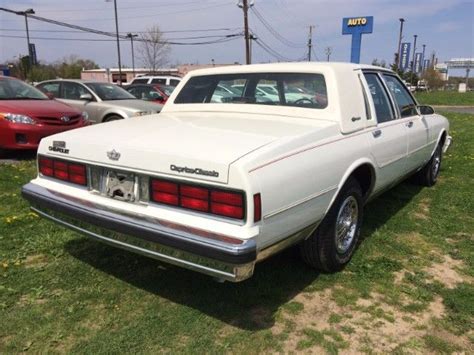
[417, 127]
[389, 138]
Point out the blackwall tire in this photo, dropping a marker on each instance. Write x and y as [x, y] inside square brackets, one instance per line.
[430, 172]
[333, 243]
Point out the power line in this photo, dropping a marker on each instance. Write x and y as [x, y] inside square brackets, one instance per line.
[221, 40]
[224, 38]
[171, 31]
[274, 32]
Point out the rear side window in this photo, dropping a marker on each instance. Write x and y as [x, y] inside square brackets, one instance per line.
[50, 88]
[383, 108]
[402, 97]
[174, 82]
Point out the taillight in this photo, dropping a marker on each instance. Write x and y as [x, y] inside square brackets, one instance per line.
[257, 208]
[199, 198]
[63, 170]
[164, 192]
[46, 166]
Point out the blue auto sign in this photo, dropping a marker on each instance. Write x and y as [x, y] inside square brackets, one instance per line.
[356, 26]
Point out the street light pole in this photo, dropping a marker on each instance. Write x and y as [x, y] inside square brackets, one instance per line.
[131, 36]
[423, 59]
[413, 59]
[399, 59]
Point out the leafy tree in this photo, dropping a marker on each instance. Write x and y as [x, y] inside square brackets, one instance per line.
[433, 78]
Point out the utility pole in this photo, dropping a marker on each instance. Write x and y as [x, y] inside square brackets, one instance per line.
[398, 58]
[413, 61]
[26, 13]
[132, 36]
[310, 40]
[118, 42]
[244, 5]
[328, 52]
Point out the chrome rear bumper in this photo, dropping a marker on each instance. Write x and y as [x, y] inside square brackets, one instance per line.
[216, 255]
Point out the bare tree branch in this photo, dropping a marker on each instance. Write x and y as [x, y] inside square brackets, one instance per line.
[153, 50]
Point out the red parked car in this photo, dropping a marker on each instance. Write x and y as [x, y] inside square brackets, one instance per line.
[151, 92]
[27, 115]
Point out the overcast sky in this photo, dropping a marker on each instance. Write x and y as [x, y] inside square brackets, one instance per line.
[445, 26]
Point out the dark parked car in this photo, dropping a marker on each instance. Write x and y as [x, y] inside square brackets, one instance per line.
[27, 115]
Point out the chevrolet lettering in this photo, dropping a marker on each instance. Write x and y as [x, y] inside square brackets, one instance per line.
[252, 173]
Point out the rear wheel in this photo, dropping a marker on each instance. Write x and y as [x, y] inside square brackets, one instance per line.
[429, 174]
[333, 243]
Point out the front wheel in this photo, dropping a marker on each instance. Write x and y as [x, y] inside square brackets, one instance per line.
[332, 245]
[429, 174]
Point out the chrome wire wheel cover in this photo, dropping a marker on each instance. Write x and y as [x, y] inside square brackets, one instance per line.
[435, 166]
[346, 224]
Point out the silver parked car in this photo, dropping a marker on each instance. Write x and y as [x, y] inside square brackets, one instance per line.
[102, 101]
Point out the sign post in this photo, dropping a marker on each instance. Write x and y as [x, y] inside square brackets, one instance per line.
[356, 26]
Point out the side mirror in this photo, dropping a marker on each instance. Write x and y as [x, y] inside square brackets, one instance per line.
[50, 95]
[426, 110]
[86, 97]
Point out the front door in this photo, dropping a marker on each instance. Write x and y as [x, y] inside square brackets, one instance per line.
[389, 138]
[71, 94]
[417, 128]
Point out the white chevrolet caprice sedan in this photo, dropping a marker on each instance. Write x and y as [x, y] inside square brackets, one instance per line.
[218, 185]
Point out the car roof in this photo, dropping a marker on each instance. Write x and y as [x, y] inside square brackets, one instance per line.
[281, 67]
[80, 81]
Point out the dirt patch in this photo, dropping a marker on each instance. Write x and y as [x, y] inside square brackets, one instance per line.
[423, 211]
[35, 261]
[370, 324]
[445, 272]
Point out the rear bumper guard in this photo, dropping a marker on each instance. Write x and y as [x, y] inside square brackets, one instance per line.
[151, 237]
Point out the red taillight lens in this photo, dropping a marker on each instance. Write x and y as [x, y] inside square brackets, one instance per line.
[227, 210]
[195, 192]
[45, 166]
[77, 174]
[164, 186]
[230, 198]
[198, 198]
[195, 204]
[257, 208]
[164, 192]
[60, 170]
[63, 170]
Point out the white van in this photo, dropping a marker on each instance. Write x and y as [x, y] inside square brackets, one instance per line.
[157, 79]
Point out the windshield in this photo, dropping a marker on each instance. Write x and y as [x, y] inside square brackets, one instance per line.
[110, 91]
[12, 89]
[167, 89]
[256, 88]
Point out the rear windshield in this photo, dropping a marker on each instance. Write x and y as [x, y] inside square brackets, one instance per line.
[280, 89]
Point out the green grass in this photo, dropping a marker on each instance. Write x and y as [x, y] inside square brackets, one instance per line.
[61, 292]
[448, 98]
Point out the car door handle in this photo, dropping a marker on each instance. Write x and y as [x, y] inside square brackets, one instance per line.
[410, 124]
[377, 133]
